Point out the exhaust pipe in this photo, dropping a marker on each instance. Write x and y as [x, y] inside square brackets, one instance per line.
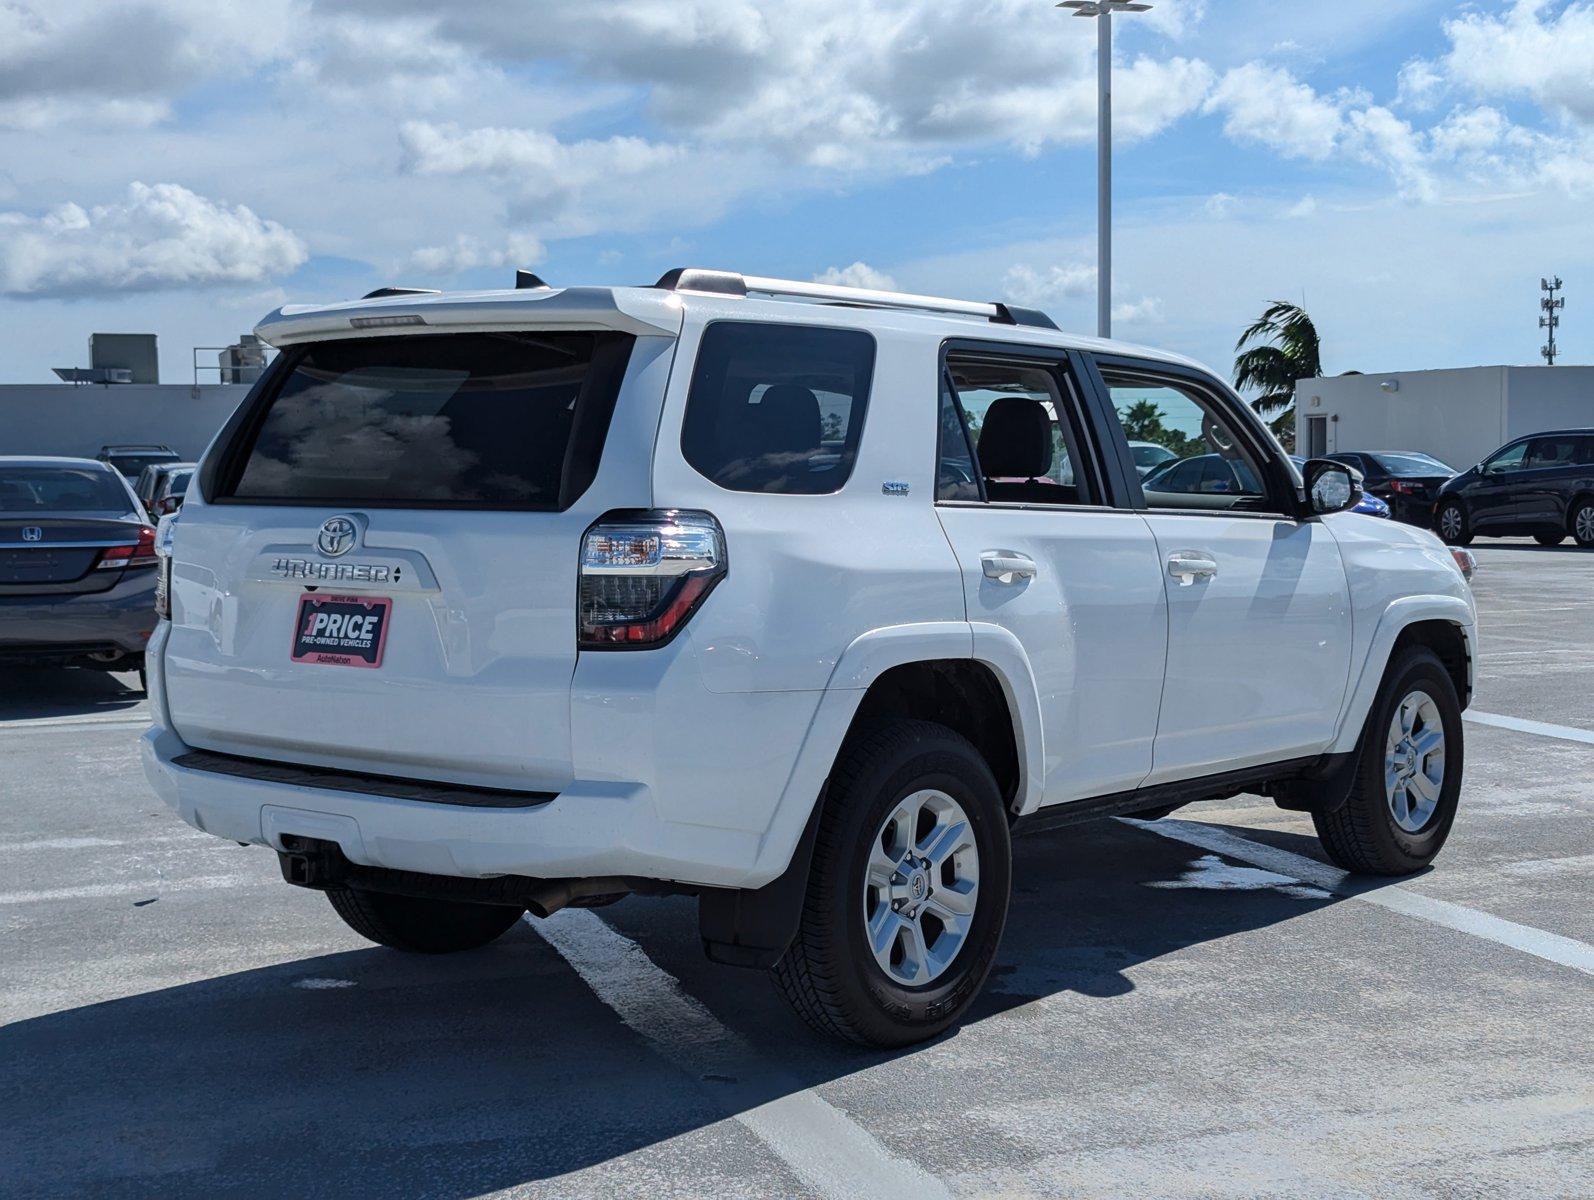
[548, 896]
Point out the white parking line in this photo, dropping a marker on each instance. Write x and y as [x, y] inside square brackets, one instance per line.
[45, 724]
[151, 887]
[829, 1151]
[1540, 728]
[1552, 947]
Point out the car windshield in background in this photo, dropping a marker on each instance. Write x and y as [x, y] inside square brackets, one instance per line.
[61, 489]
[132, 465]
[177, 485]
[1411, 464]
[495, 420]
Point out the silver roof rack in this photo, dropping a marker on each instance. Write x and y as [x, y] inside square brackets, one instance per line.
[729, 283]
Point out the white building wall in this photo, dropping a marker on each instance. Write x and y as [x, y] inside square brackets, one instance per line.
[59, 418]
[1458, 416]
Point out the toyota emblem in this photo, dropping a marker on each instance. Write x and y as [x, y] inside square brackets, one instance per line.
[337, 536]
[32, 533]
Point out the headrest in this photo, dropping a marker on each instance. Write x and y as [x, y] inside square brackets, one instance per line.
[785, 420]
[1016, 439]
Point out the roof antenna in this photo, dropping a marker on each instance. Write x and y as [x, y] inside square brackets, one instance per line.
[525, 279]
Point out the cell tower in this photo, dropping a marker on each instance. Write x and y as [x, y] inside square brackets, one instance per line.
[1551, 320]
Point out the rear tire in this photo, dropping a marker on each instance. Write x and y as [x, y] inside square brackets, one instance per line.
[422, 926]
[1581, 523]
[1549, 539]
[903, 792]
[1387, 826]
[1451, 524]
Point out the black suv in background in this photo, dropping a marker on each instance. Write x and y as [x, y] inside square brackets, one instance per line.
[1540, 486]
[1406, 480]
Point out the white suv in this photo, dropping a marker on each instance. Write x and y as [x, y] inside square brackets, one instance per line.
[795, 598]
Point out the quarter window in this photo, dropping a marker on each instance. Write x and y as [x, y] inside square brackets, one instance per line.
[777, 408]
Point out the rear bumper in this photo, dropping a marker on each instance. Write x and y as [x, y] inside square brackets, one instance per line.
[588, 829]
[674, 783]
[53, 628]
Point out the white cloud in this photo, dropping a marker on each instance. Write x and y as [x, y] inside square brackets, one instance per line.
[1145, 311]
[1032, 288]
[1306, 206]
[858, 275]
[1420, 85]
[530, 155]
[1530, 51]
[466, 253]
[1220, 204]
[1268, 105]
[161, 236]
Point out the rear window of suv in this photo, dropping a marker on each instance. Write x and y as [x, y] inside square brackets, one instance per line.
[472, 420]
[777, 408]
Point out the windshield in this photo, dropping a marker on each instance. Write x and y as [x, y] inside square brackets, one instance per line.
[61, 489]
[1412, 464]
[132, 465]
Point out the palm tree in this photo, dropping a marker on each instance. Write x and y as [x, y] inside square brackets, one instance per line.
[1284, 349]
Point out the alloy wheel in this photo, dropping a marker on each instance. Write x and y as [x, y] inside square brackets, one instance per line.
[1583, 527]
[1450, 522]
[1414, 762]
[921, 888]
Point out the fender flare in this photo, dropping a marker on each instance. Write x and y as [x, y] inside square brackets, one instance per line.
[751, 927]
[1401, 613]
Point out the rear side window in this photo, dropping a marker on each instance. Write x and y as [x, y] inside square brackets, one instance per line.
[777, 408]
[62, 489]
[472, 420]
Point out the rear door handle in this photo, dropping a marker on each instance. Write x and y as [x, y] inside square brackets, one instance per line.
[1004, 566]
[1188, 566]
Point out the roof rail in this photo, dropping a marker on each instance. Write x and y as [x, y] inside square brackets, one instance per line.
[400, 291]
[729, 283]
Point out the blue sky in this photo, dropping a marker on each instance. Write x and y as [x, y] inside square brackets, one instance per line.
[1408, 171]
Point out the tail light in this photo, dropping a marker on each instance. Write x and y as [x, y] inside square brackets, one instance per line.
[1405, 487]
[643, 574]
[114, 558]
[163, 581]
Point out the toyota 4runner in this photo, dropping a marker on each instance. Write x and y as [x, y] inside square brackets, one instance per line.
[794, 598]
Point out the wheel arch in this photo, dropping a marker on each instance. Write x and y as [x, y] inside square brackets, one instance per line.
[1444, 624]
[975, 679]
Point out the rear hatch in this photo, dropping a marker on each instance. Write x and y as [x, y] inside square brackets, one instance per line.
[376, 568]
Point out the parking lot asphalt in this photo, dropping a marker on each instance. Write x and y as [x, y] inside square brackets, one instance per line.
[1195, 1007]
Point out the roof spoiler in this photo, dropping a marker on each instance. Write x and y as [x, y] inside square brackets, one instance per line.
[730, 283]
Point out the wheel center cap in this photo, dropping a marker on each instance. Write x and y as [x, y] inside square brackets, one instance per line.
[918, 886]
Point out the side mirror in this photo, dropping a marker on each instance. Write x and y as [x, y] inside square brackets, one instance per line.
[1331, 487]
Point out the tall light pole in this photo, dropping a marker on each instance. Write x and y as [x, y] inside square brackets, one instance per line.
[1102, 11]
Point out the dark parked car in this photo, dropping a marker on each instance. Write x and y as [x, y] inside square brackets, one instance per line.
[1540, 486]
[131, 460]
[1406, 480]
[77, 565]
[170, 491]
[156, 481]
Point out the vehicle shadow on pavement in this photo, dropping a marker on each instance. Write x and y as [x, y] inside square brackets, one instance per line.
[370, 1073]
[33, 692]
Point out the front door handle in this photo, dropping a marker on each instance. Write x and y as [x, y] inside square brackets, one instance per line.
[1004, 566]
[1188, 566]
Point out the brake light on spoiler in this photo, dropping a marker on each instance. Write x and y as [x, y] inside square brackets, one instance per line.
[643, 574]
[141, 554]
